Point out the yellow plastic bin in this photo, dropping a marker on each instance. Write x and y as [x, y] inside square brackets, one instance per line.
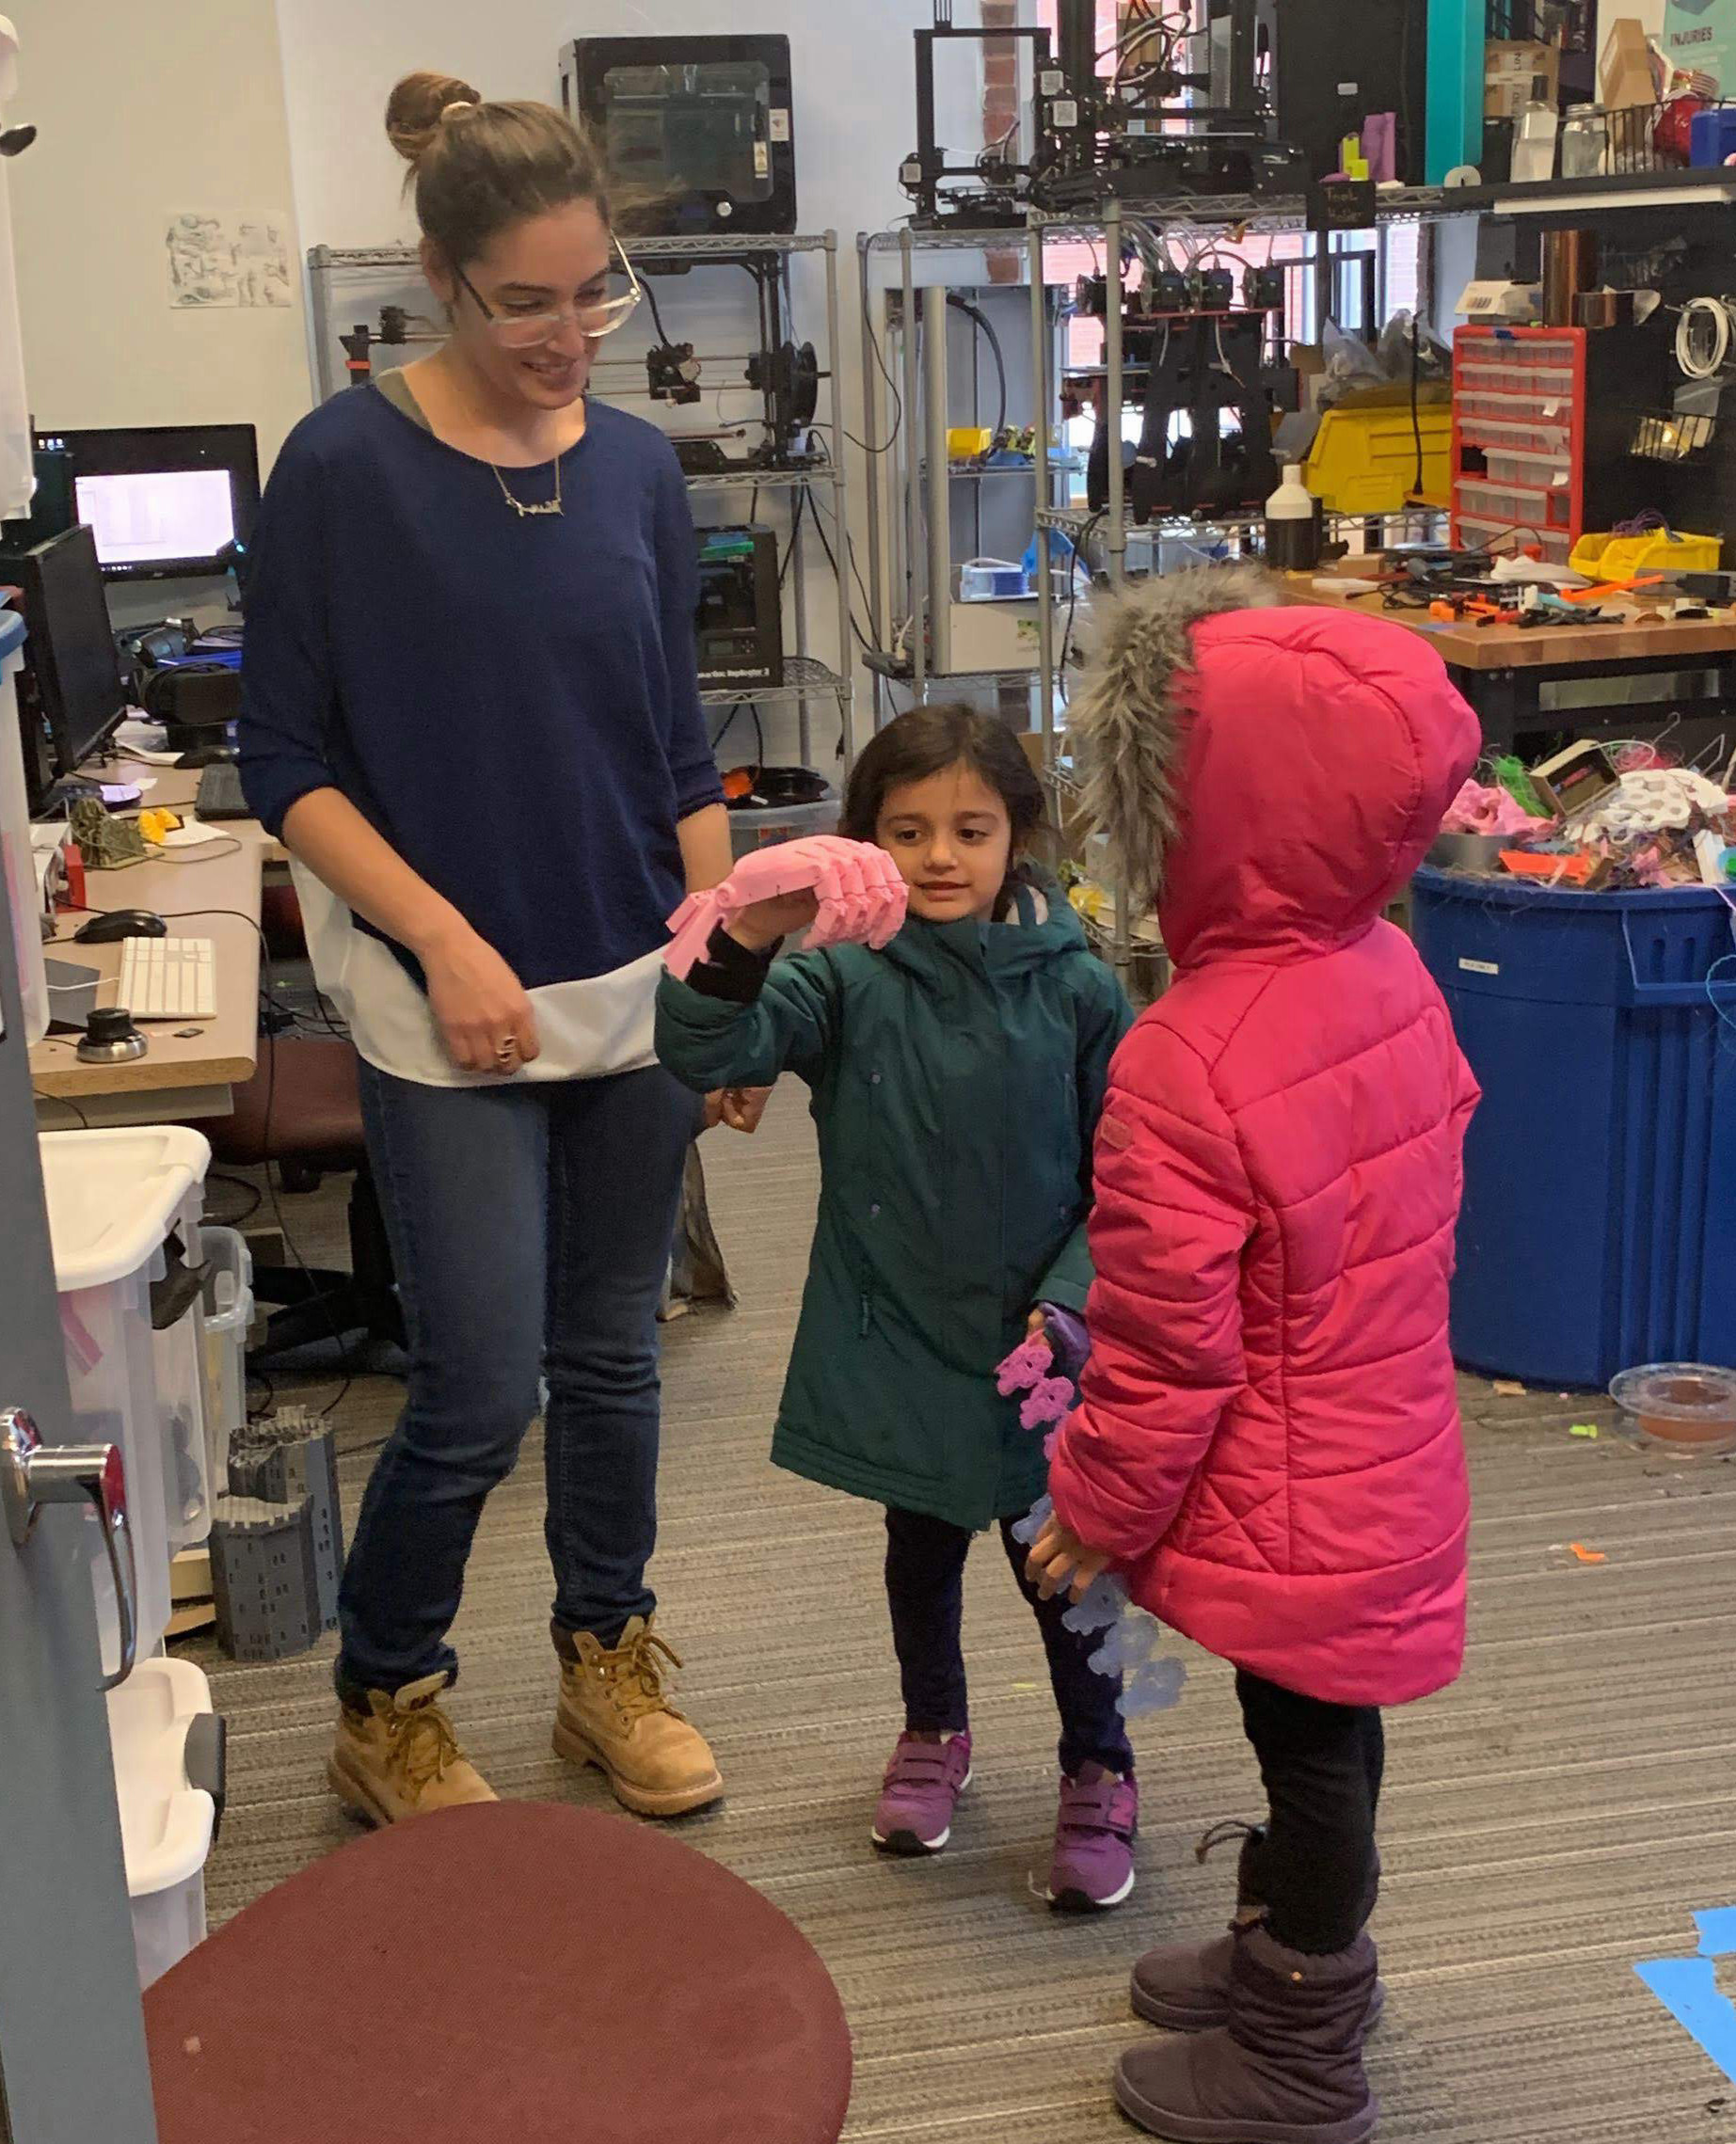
[1363, 460]
[1659, 550]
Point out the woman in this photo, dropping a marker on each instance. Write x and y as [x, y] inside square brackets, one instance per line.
[472, 715]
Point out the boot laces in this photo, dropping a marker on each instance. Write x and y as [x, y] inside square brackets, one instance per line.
[634, 1674]
[1222, 1834]
[423, 1744]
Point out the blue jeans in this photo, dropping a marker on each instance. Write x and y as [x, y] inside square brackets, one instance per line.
[531, 1229]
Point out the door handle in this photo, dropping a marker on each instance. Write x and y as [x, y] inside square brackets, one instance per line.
[33, 1474]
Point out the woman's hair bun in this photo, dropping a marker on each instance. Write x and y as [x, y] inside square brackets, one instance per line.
[417, 107]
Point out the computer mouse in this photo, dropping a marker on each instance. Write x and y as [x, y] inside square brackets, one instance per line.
[210, 755]
[121, 923]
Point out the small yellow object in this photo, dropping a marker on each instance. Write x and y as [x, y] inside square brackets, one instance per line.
[1584, 1429]
[968, 442]
[154, 824]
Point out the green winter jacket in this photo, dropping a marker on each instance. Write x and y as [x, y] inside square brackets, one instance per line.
[957, 1079]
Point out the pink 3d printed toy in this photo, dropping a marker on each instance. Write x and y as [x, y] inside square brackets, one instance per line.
[861, 899]
[1044, 1368]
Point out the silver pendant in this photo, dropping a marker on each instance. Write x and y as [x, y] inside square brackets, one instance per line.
[527, 513]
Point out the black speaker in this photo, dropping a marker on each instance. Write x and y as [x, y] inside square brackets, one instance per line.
[1330, 63]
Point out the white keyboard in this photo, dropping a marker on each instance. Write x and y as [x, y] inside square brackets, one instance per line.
[168, 978]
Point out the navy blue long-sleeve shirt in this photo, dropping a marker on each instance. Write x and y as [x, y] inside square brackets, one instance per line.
[512, 702]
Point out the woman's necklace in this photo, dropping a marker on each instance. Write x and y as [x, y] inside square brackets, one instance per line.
[526, 510]
[523, 508]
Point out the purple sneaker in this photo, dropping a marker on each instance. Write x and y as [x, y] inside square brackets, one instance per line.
[1099, 1821]
[923, 1784]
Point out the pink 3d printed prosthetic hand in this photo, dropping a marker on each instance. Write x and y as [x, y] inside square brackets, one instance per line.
[860, 896]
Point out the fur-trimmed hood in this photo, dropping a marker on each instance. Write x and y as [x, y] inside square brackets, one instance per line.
[1271, 773]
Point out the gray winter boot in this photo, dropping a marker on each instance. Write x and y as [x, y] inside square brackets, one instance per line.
[1288, 2069]
[1185, 1987]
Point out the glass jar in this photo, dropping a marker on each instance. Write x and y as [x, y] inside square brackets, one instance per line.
[1585, 142]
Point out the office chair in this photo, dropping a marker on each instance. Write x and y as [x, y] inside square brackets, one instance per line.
[301, 1114]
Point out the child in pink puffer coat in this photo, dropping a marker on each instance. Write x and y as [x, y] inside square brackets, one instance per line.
[1267, 1441]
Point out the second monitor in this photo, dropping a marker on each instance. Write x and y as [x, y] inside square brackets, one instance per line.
[166, 500]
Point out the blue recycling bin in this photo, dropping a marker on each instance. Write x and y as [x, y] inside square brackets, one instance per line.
[1599, 1228]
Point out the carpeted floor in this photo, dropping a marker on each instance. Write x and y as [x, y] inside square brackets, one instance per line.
[1556, 1817]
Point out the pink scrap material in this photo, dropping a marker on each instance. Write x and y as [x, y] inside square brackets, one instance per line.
[1479, 809]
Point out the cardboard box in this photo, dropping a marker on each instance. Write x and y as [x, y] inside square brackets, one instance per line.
[1517, 75]
[1625, 76]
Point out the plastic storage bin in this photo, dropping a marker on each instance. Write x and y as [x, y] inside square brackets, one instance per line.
[228, 1314]
[1599, 1228]
[168, 1748]
[114, 1198]
[990, 580]
[178, 1360]
[754, 827]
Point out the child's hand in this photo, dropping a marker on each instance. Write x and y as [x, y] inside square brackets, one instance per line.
[744, 1106]
[762, 923]
[1059, 1561]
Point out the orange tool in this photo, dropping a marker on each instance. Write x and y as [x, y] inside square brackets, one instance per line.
[1612, 588]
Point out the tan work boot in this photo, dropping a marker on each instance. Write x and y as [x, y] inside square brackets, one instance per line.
[616, 1714]
[401, 1757]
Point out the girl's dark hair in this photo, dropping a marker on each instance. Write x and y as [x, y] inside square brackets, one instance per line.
[477, 168]
[928, 741]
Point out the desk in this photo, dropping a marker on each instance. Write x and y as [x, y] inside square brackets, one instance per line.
[1503, 669]
[177, 1078]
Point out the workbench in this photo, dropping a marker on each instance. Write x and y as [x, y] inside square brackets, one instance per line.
[1503, 670]
[184, 1076]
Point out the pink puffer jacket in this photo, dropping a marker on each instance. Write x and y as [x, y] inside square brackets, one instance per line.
[1269, 1436]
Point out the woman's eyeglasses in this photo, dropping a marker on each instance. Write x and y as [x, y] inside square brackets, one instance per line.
[592, 317]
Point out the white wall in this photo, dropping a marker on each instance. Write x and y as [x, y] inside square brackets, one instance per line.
[855, 99]
[145, 107]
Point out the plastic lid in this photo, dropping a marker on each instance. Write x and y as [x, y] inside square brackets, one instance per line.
[1677, 1392]
[112, 1197]
[166, 1823]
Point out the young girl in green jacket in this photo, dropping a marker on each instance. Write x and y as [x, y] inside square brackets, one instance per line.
[957, 1078]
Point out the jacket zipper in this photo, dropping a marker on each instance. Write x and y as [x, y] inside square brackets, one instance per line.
[866, 1320]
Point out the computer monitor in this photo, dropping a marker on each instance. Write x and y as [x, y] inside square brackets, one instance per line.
[164, 500]
[70, 687]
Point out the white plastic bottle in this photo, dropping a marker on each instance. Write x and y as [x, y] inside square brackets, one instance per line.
[1292, 526]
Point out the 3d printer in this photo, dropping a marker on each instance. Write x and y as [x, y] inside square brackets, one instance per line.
[1256, 100]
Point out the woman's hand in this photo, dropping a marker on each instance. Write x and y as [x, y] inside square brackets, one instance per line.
[479, 1004]
[762, 923]
[1060, 1562]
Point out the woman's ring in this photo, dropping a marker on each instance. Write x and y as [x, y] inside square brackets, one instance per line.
[506, 1050]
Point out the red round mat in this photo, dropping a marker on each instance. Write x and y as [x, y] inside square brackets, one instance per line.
[527, 1974]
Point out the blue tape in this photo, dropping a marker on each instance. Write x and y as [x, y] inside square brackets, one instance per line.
[1688, 1988]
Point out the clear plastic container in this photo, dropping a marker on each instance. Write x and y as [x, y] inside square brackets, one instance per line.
[113, 1199]
[759, 827]
[179, 1353]
[986, 580]
[1685, 1408]
[167, 1818]
[227, 1317]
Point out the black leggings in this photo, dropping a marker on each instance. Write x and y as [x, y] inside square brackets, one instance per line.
[1322, 1764]
[925, 1590]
